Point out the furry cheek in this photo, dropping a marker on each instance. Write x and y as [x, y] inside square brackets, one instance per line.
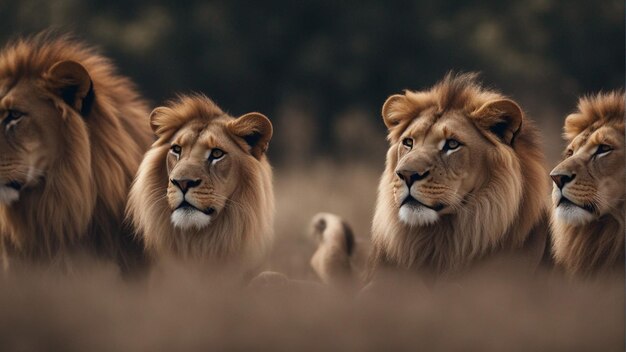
[611, 191]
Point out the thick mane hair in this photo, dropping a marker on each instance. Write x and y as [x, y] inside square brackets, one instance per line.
[182, 110]
[601, 109]
[80, 204]
[504, 215]
[242, 233]
[454, 92]
[598, 246]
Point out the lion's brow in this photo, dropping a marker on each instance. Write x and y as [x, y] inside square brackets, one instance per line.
[208, 138]
[583, 137]
[6, 102]
[188, 138]
[602, 136]
[422, 125]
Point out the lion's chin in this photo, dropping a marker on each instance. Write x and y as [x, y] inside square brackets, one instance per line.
[573, 215]
[190, 219]
[8, 195]
[417, 215]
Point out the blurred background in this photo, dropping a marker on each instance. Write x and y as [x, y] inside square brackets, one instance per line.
[322, 69]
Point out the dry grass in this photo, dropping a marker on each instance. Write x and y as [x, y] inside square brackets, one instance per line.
[181, 308]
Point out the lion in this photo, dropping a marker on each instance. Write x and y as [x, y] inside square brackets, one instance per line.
[464, 184]
[203, 192]
[588, 192]
[73, 134]
[332, 261]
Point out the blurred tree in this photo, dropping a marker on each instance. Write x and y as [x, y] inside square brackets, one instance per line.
[336, 57]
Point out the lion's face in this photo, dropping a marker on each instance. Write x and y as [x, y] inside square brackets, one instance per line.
[32, 124]
[204, 169]
[439, 158]
[589, 182]
[29, 138]
[211, 156]
[204, 189]
[440, 161]
[463, 178]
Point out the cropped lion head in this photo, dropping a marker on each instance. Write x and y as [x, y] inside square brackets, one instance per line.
[204, 190]
[35, 113]
[588, 192]
[72, 133]
[463, 177]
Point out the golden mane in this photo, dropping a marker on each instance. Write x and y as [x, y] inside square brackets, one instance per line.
[596, 247]
[455, 92]
[492, 220]
[242, 233]
[80, 205]
[182, 110]
[602, 109]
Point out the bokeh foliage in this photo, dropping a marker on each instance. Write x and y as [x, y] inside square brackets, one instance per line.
[329, 61]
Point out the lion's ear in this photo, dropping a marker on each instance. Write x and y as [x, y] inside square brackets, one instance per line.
[71, 81]
[160, 121]
[503, 118]
[394, 110]
[255, 129]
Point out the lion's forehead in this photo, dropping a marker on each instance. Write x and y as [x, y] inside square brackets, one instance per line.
[21, 95]
[421, 125]
[432, 128]
[12, 95]
[203, 134]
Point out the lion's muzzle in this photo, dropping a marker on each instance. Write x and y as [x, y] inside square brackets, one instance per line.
[561, 179]
[185, 184]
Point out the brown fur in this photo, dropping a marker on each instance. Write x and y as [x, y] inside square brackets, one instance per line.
[595, 245]
[504, 210]
[332, 259]
[86, 163]
[238, 187]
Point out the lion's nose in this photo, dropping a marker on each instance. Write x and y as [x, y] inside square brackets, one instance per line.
[185, 184]
[410, 176]
[561, 179]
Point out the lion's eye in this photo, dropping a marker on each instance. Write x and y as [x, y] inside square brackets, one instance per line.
[603, 149]
[569, 153]
[216, 154]
[12, 117]
[176, 149]
[451, 144]
[408, 142]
